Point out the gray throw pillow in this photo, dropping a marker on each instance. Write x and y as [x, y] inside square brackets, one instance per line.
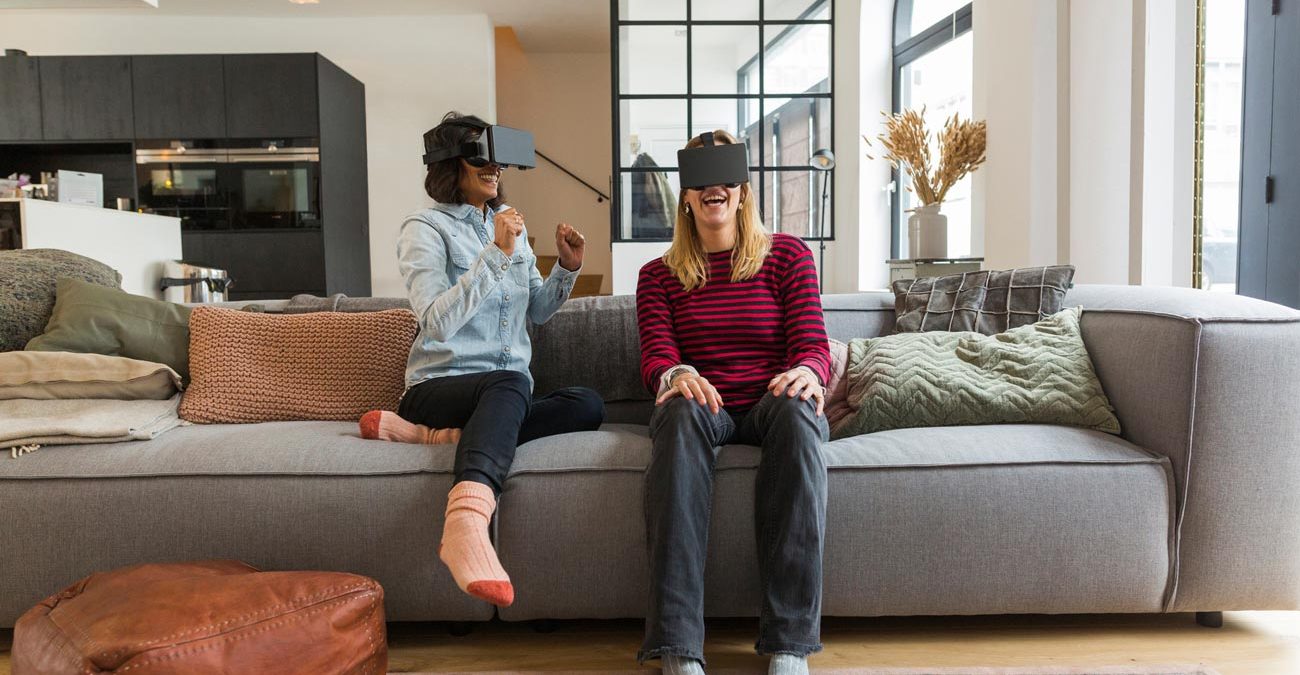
[305, 303]
[27, 281]
[987, 302]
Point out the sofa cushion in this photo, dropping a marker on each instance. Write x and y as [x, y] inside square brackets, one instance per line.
[953, 520]
[27, 290]
[987, 301]
[93, 319]
[254, 367]
[315, 448]
[279, 495]
[591, 342]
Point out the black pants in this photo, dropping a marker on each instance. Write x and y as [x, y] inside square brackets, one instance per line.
[496, 413]
[789, 521]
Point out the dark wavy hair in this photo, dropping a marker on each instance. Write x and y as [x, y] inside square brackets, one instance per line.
[443, 180]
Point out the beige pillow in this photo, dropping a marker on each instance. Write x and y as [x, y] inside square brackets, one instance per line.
[60, 375]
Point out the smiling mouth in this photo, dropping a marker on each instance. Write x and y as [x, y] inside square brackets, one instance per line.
[714, 200]
[490, 177]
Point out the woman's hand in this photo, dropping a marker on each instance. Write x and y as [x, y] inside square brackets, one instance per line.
[799, 382]
[571, 245]
[695, 388]
[509, 225]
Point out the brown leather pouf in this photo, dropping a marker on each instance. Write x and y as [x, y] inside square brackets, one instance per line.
[217, 616]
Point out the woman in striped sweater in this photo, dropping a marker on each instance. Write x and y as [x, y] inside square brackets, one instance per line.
[733, 341]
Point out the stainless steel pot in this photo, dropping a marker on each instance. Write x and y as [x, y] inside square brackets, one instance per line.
[186, 282]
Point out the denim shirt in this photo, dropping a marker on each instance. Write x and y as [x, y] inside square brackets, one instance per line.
[471, 300]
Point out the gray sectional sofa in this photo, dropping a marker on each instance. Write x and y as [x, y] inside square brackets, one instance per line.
[1195, 508]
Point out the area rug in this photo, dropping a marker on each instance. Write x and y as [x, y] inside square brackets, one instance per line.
[1166, 669]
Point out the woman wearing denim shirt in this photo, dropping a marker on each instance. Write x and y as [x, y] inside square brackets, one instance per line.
[473, 284]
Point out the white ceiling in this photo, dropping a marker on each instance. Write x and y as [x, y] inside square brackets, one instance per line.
[541, 25]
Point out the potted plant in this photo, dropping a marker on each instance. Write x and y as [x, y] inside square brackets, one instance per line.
[907, 146]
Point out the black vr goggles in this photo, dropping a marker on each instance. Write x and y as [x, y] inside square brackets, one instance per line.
[713, 164]
[496, 145]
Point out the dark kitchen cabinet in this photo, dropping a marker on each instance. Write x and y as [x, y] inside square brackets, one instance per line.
[179, 97]
[86, 98]
[20, 99]
[271, 96]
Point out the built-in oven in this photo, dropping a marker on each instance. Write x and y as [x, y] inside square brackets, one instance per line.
[231, 185]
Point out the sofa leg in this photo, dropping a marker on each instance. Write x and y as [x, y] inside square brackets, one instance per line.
[1210, 619]
[544, 625]
[460, 628]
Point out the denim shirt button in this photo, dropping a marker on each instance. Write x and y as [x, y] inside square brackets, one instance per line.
[504, 324]
[505, 267]
[507, 348]
[507, 298]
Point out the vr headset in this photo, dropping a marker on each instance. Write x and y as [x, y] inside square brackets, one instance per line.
[496, 145]
[713, 164]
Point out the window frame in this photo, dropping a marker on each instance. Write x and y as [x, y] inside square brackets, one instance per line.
[759, 168]
[914, 47]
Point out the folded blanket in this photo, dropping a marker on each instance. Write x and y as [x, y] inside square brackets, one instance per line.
[28, 423]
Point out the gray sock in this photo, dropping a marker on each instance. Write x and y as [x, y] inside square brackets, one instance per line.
[788, 664]
[680, 665]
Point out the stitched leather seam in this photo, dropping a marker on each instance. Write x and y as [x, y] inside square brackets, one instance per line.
[245, 632]
[269, 610]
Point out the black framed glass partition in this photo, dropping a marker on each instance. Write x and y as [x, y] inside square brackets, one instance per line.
[760, 69]
[933, 49]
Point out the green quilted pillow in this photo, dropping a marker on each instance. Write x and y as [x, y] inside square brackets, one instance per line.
[1038, 373]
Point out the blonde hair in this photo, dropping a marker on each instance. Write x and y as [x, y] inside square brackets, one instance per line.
[686, 257]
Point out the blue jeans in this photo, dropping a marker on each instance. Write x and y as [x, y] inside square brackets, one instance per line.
[789, 521]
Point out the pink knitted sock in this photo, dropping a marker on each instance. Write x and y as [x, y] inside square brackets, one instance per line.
[466, 549]
[389, 426]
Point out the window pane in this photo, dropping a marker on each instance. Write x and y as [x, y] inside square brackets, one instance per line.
[792, 202]
[649, 204]
[1222, 159]
[652, 59]
[802, 10]
[797, 59]
[926, 13]
[714, 114]
[941, 83]
[652, 10]
[652, 131]
[724, 10]
[721, 58]
[795, 129]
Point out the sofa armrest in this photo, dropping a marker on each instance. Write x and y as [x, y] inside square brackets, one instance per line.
[1212, 382]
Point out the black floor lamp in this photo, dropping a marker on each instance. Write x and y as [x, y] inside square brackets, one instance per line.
[823, 161]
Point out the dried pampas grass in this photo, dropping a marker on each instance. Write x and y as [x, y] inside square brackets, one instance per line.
[907, 147]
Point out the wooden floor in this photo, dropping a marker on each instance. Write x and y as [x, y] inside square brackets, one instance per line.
[1250, 643]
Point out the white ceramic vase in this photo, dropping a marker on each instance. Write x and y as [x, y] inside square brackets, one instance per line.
[927, 233]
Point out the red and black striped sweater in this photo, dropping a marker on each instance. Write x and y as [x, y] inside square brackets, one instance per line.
[738, 335]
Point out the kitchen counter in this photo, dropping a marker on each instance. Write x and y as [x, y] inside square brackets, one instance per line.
[135, 244]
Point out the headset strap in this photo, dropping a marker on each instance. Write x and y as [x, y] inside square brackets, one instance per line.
[707, 139]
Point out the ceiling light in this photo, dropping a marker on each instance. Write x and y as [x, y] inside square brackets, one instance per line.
[305, 2]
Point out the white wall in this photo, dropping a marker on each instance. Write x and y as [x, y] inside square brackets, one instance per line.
[863, 87]
[1016, 193]
[415, 68]
[1089, 107]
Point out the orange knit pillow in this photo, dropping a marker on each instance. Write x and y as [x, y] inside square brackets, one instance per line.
[255, 367]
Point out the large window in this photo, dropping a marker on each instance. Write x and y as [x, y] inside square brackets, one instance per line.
[760, 69]
[1222, 27]
[932, 70]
